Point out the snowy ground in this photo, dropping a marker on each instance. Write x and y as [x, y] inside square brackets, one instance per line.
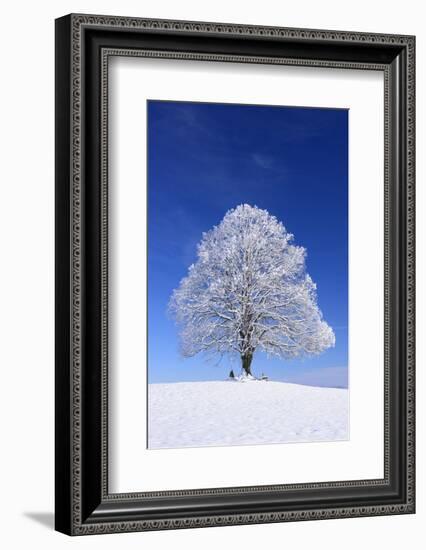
[198, 414]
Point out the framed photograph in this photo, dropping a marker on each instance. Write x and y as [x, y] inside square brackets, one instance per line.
[234, 274]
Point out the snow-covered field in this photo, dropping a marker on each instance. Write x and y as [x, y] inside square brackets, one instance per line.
[198, 414]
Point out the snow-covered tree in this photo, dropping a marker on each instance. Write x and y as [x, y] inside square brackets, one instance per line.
[248, 291]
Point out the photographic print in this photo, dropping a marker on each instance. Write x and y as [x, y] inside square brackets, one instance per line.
[234, 266]
[247, 274]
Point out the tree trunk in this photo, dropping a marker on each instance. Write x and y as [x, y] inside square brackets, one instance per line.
[246, 360]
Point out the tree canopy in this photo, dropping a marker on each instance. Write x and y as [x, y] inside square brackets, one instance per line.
[249, 291]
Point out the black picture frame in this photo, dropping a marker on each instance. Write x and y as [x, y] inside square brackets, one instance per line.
[83, 504]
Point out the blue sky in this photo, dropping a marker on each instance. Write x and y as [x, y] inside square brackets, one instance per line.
[205, 158]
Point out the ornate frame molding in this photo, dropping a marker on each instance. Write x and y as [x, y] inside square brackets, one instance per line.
[72, 516]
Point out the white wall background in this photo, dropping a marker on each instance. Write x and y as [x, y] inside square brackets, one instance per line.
[26, 289]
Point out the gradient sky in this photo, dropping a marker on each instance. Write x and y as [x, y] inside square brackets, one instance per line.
[204, 159]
